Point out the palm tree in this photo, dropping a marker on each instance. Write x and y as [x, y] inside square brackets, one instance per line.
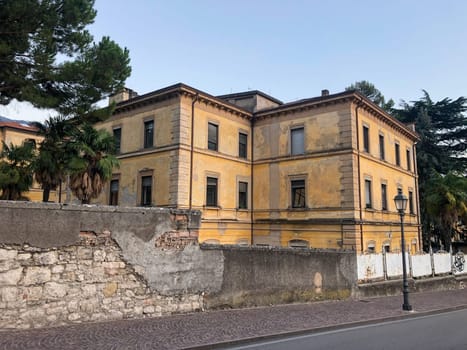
[50, 164]
[92, 162]
[446, 203]
[15, 170]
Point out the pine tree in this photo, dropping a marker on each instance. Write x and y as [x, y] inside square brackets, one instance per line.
[47, 56]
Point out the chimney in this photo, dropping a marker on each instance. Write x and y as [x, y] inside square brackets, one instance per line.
[325, 92]
[124, 95]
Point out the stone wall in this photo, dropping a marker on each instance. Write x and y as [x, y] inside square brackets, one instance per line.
[71, 264]
[87, 281]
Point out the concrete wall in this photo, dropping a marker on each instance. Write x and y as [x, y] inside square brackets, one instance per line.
[262, 276]
[68, 264]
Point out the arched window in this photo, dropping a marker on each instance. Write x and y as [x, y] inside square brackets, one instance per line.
[299, 243]
[371, 247]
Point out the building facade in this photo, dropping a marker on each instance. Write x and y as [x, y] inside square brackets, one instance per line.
[318, 173]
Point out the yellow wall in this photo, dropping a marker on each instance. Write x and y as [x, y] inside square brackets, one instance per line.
[386, 171]
[333, 167]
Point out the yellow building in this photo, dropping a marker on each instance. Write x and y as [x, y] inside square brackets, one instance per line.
[319, 173]
[16, 133]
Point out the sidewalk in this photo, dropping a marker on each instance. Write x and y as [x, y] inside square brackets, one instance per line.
[203, 330]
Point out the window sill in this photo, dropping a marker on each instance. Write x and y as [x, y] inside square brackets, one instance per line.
[211, 207]
[298, 209]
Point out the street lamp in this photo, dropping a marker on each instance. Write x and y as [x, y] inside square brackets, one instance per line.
[401, 204]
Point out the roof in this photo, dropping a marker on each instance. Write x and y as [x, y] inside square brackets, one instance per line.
[17, 125]
[183, 89]
[175, 90]
[249, 94]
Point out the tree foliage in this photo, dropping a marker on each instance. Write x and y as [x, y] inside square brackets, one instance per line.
[92, 162]
[441, 162]
[369, 90]
[445, 201]
[47, 56]
[50, 165]
[15, 170]
[443, 129]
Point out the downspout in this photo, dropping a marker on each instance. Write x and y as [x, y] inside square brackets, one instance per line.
[190, 200]
[417, 196]
[252, 181]
[359, 176]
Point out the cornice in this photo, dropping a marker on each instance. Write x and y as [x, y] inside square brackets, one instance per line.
[343, 97]
[385, 117]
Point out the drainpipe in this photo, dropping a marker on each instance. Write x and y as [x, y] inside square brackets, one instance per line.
[359, 175]
[190, 200]
[417, 196]
[251, 179]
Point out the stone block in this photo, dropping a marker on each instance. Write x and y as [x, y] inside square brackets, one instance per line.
[88, 290]
[99, 255]
[138, 310]
[110, 289]
[24, 256]
[9, 294]
[32, 293]
[8, 254]
[47, 258]
[113, 265]
[33, 314]
[149, 309]
[55, 290]
[73, 306]
[36, 275]
[11, 277]
[73, 317]
[71, 267]
[58, 268]
[84, 253]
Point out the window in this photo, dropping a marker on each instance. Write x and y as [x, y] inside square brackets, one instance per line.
[30, 142]
[298, 243]
[371, 247]
[242, 195]
[213, 133]
[149, 134]
[411, 203]
[297, 140]
[242, 145]
[409, 163]
[118, 139]
[113, 197]
[146, 190]
[381, 147]
[211, 192]
[368, 194]
[366, 139]
[384, 197]
[398, 154]
[298, 193]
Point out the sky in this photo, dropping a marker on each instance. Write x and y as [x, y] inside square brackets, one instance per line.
[290, 49]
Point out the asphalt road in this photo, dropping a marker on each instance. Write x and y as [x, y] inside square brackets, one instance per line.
[435, 332]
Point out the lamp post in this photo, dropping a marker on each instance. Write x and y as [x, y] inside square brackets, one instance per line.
[401, 204]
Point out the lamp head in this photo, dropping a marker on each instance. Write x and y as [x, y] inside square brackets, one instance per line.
[401, 201]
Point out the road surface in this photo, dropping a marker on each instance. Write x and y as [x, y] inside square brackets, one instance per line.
[435, 332]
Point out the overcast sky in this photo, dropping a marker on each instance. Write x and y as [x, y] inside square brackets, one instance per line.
[290, 49]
